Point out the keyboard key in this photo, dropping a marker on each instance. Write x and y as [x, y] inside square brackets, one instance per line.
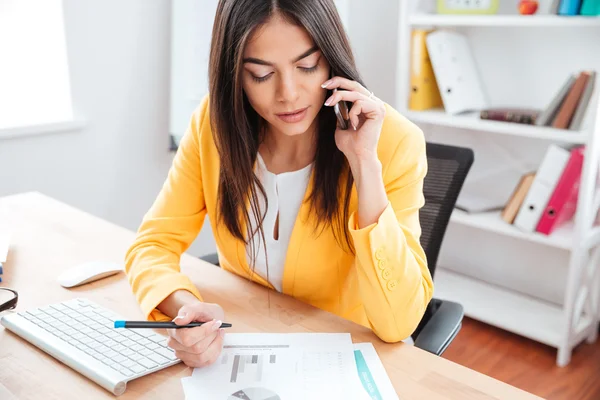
[136, 357]
[110, 343]
[128, 343]
[86, 330]
[108, 361]
[119, 358]
[100, 357]
[87, 340]
[147, 363]
[120, 339]
[90, 351]
[158, 338]
[153, 346]
[144, 332]
[158, 359]
[112, 335]
[119, 348]
[137, 347]
[166, 353]
[128, 352]
[128, 363]
[144, 342]
[111, 354]
[103, 330]
[94, 335]
[125, 371]
[146, 352]
[137, 368]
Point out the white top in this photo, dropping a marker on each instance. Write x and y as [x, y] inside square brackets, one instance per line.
[285, 193]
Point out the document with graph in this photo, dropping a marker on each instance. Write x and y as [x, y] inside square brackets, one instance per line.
[280, 366]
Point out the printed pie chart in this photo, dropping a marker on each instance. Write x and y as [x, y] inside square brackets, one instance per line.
[254, 393]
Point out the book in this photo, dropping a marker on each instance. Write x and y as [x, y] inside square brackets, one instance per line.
[546, 178]
[425, 93]
[583, 103]
[569, 7]
[517, 197]
[549, 113]
[590, 7]
[567, 109]
[563, 201]
[508, 114]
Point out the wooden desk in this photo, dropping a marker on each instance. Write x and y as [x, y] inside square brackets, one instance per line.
[49, 237]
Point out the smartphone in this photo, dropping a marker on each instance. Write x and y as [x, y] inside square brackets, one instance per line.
[341, 112]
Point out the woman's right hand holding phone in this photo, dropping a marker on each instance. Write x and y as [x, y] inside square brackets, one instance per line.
[200, 346]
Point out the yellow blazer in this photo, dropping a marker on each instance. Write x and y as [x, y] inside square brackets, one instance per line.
[385, 286]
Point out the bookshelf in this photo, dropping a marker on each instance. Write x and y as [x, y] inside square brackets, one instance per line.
[471, 121]
[562, 326]
[508, 21]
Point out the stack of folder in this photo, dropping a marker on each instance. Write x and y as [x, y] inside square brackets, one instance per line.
[545, 199]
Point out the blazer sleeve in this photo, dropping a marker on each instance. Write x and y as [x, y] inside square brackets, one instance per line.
[169, 227]
[393, 277]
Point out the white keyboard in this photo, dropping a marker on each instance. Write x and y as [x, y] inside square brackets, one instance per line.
[80, 333]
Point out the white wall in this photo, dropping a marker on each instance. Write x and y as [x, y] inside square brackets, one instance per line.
[114, 168]
[120, 59]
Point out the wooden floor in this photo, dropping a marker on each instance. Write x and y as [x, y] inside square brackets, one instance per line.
[526, 364]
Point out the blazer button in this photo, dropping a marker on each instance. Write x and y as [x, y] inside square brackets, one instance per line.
[379, 254]
[382, 264]
[392, 285]
[386, 273]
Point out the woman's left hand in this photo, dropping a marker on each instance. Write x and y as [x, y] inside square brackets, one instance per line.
[359, 141]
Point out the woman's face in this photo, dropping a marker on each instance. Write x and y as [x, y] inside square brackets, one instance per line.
[282, 76]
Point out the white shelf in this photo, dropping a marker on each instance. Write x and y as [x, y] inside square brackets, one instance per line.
[505, 309]
[491, 221]
[504, 20]
[473, 122]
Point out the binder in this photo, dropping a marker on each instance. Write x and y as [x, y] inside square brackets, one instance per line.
[456, 72]
[546, 179]
[425, 93]
[567, 109]
[516, 199]
[569, 7]
[590, 7]
[549, 113]
[563, 202]
[583, 103]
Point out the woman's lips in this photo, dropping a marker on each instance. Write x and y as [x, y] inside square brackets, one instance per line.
[294, 116]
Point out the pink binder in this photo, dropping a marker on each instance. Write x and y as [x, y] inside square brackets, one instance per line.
[563, 202]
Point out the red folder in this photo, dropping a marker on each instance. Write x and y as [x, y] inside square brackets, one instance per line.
[563, 202]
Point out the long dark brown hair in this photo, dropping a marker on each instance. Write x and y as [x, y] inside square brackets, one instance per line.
[237, 127]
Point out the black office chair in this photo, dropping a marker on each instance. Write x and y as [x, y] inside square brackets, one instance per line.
[448, 167]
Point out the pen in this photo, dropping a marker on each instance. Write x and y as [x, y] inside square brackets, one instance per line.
[161, 325]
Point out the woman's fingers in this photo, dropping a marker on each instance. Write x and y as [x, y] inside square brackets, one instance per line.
[371, 108]
[355, 111]
[190, 336]
[196, 348]
[205, 358]
[337, 82]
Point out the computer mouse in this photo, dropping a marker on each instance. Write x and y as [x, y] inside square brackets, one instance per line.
[88, 272]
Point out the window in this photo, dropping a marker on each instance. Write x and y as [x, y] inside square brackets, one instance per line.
[34, 74]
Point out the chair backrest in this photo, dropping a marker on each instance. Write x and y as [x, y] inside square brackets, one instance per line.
[448, 167]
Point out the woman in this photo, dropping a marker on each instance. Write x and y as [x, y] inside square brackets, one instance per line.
[326, 215]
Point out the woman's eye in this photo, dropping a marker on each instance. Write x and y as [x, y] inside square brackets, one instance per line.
[261, 78]
[309, 69]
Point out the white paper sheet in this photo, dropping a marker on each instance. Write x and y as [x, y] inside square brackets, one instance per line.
[372, 373]
[280, 367]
